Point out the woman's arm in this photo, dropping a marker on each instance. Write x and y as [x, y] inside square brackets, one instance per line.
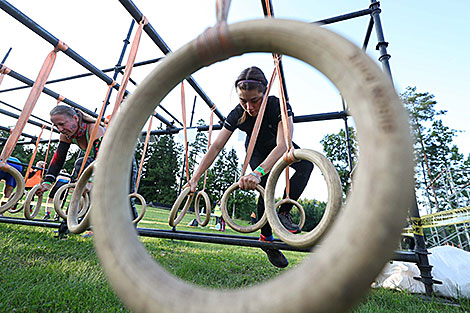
[250, 181]
[210, 156]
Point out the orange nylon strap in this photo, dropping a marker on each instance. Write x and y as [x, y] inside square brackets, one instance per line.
[59, 100]
[256, 127]
[209, 141]
[183, 110]
[129, 65]
[47, 152]
[283, 107]
[147, 137]
[3, 70]
[221, 9]
[31, 161]
[95, 129]
[268, 8]
[33, 97]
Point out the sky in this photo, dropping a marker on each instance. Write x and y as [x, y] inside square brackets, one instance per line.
[427, 43]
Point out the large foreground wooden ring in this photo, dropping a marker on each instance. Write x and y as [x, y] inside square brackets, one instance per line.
[207, 202]
[144, 206]
[333, 205]
[185, 194]
[27, 203]
[225, 214]
[297, 205]
[19, 187]
[73, 224]
[358, 244]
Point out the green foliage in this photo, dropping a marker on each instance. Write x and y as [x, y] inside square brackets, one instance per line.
[39, 273]
[335, 147]
[159, 175]
[314, 211]
[434, 150]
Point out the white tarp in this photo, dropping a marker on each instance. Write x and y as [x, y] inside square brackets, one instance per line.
[450, 265]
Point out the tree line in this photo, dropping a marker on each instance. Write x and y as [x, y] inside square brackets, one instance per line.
[163, 174]
[436, 155]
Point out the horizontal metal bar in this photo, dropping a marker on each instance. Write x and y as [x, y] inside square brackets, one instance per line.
[49, 92]
[152, 33]
[40, 141]
[22, 134]
[4, 112]
[18, 109]
[344, 17]
[406, 256]
[85, 74]
[23, 221]
[297, 119]
[320, 117]
[234, 240]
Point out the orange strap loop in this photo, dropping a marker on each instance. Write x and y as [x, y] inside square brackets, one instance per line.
[129, 65]
[96, 126]
[33, 97]
[60, 99]
[256, 127]
[211, 124]
[147, 137]
[183, 110]
[61, 46]
[31, 161]
[3, 70]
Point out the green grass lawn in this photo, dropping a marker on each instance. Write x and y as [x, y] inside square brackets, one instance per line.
[39, 273]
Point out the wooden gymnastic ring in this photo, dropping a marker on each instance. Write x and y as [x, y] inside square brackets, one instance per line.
[207, 201]
[335, 198]
[27, 203]
[19, 187]
[174, 209]
[58, 201]
[144, 206]
[84, 205]
[73, 225]
[19, 207]
[225, 214]
[297, 205]
[366, 231]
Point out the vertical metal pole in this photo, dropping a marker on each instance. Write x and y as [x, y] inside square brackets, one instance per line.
[118, 64]
[468, 237]
[281, 69]
[381, 43]
[348, 139]
[6, 56]
[457, 231]
[192, 113]
[368, 33]
[421, 251]
[420, 245]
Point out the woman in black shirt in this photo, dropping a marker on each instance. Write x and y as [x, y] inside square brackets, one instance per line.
[270, 145]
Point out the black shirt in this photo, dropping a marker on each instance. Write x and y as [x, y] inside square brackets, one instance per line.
[267, 135]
